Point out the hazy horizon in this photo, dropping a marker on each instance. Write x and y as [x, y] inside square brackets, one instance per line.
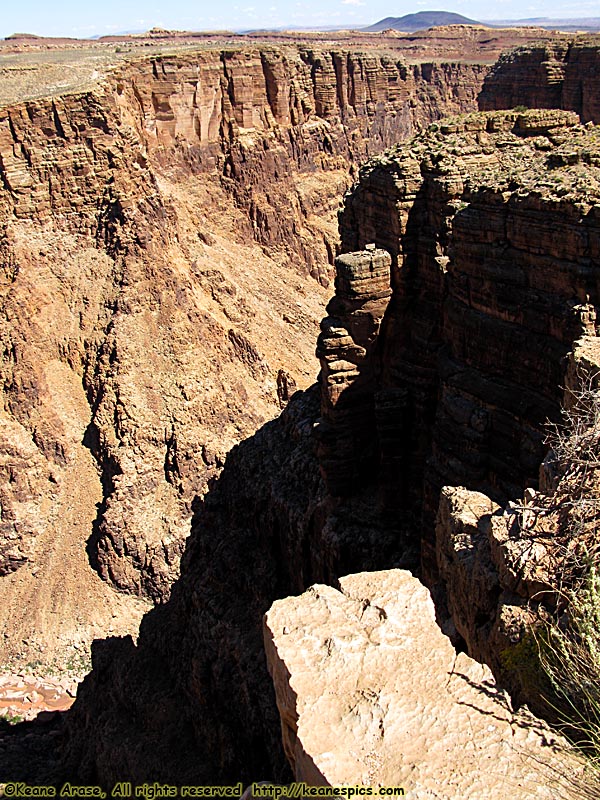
[71, 18]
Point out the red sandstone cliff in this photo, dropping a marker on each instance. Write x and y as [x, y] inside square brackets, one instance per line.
[268, 119]
[454, 375]
[115, 211]
[548, 75]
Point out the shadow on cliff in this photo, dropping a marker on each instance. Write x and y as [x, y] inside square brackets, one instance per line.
[192, 702]
[108, 468]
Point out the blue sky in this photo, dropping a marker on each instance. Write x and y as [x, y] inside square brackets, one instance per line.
[80, 18]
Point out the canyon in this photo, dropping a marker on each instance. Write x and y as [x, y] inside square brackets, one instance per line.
[167, 242]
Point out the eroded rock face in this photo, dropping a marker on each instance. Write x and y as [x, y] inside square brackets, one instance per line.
[496, 578]
[491, 226]
[132, 284]
[125, 332]
[204, 708]
[490, 249]
[547, 75]
[371, 693]
[264, 118]
[345, 349]
[267, 529]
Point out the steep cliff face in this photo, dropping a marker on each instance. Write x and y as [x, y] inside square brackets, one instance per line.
[458, 370]
[143, 334]
[442, 356]
[493, 280]
[200, 705]
[131, 281]
[201, 709]
[548, 75]
[282, 126]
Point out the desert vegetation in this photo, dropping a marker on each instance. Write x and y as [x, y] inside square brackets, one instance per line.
[569, 642]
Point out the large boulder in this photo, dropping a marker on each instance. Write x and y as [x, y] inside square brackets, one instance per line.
[372, 693]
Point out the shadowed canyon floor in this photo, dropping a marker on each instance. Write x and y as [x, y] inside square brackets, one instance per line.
[157, 238]
[166, 239]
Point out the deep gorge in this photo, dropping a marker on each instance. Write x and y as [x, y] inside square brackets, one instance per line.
[447, 379]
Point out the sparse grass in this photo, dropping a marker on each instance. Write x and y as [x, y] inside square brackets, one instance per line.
[569, 644]
[571, 657]
[68, 664]
[12, 719]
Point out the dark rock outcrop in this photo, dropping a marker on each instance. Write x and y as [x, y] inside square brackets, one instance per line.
[490, 250]
[346, 351]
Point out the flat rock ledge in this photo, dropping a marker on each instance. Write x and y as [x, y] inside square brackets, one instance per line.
[371, 692]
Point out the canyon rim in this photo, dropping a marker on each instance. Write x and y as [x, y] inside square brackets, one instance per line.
[169, 239]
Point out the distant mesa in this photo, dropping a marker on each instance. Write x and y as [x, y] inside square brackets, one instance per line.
[24, 36]
[419, 21]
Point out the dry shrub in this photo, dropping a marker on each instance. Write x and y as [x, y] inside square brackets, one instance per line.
[569, 645]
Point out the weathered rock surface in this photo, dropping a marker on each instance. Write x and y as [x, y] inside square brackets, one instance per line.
[126, 333]
[200, 707]
[127, 190]
[493, 227]
[139, 319]
[547, 75]
[502, 567]
[266, 530]
[372, 693]
[269, 119]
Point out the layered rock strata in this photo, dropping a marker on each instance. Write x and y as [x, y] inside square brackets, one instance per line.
[345, 349]
[263, 118]
[504, 567]
[119, 185]
[371, 693]
[138, 319]
[547, 75]
[493, 228]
